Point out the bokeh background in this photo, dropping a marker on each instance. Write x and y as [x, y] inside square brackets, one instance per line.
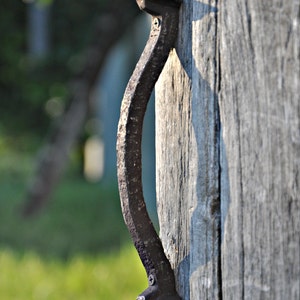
[62, 234]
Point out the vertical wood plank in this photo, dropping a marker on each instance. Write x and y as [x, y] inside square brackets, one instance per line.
[187, 153]
[259, 106]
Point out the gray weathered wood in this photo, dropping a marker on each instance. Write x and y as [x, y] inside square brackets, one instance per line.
[259, 105]
[228, 151]
[188, 154]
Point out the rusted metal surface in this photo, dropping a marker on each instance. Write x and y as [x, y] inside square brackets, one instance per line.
[162, 37]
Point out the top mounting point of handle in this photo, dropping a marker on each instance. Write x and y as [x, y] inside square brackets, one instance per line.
[158, 7]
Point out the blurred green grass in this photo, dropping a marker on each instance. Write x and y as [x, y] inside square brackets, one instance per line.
[76, 248]
[80, 217]
[107, 276]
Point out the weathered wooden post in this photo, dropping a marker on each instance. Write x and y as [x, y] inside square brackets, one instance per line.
[228, 150]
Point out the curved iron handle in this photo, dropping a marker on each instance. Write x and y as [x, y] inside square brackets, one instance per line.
[161, 40]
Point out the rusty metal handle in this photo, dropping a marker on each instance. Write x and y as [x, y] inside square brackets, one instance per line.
[161, 40]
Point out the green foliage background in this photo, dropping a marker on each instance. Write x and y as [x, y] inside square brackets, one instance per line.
[78, 248]
[27, 83]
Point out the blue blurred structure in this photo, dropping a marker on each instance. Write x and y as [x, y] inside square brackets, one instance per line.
[112, 84]
[38, 28]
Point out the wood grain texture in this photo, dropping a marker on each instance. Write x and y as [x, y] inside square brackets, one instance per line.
[228, 150]
[187, 153]
[259, 106]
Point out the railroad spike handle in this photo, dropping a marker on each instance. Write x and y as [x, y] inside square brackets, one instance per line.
[162, 38]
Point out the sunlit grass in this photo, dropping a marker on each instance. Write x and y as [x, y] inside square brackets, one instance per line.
[118, 275]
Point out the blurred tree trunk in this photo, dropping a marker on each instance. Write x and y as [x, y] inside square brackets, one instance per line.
[228, 151]
[111, 25]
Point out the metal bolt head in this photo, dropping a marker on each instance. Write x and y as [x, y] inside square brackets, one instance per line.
[151, 279]
[140, 298]
[156, 22]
